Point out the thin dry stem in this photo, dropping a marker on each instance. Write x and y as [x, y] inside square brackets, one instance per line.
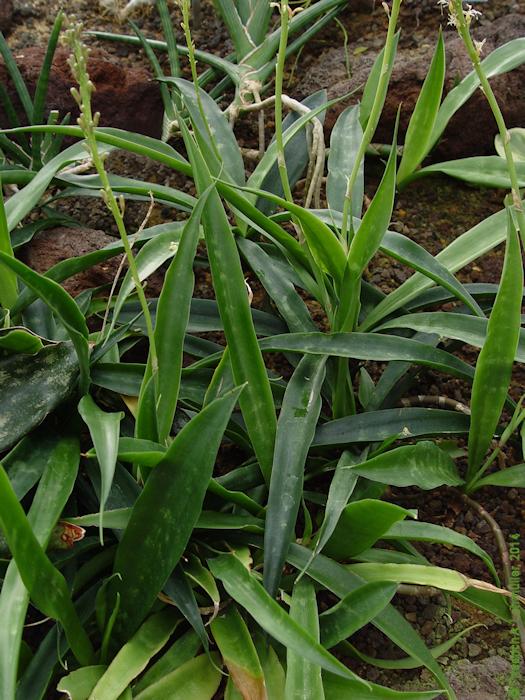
[505, 559]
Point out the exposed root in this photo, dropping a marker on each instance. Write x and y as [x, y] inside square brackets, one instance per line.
[317, 152]
[441, 401]
[505, 560]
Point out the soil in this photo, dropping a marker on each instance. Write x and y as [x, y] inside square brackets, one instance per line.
[433, 212]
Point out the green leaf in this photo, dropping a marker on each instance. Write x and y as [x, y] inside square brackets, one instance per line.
[245, 590]
[62, 305]
[340, 580]
[273, 670]
[197, 679]
[281, 289]
[374, 223]
[237, 29]
[203, 578]
[470, 245]
[78, 684]
[494, 365]
[8, 283]
[344, 145]
[341, 689]
[486, 171]
[56, 458]
[32, 387]
[423, 465]
[370, 89]
[324, 246]
[174, 492]
[16, 77]
[21, 203]
[354, 611]
[169, 35]
[341, 488]
[382, 425]
[408, 662]
[246, 359]
[178, 588]
[363, 346]
[516, 143]
[361, 524]
[214, 134]
[463, 327]
[501, 60]
[19, 340]
[427, 532]
[419, 132]
[170, 330]
[104, 429]
[513, 477]
[137, 190]
[295, 430]
[413, 255]
[39, 101]
[303, 679]
[258, 20]
[151, 256]
[25, 463]
[46, 585]
[134, 656]
[446, 579]
[238, 652]
[184, 649]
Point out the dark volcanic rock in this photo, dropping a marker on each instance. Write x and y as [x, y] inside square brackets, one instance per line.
[472, 129]
[6, 15]
[127, 98]
[51, 246]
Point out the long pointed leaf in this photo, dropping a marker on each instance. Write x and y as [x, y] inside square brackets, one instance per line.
[104, 429]
[60, 303]
[494, 365]
[174, 492]
[246, 359]
[295, 430]
[46, 585]
[244, 588]
[419, 132]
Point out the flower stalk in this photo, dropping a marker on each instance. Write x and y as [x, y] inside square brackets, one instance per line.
[285, 12]
[375, 113]
[462, 18]
[88, 122]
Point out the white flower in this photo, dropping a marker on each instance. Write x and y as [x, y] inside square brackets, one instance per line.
[479, 46]
[469, 13]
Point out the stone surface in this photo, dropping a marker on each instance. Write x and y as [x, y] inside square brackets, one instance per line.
[6, 15]
[472, 129]
[127, 98]
[51, 246]
[480, 680]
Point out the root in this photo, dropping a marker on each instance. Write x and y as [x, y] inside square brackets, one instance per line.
[317, 152]
[440, 401]
[505, 560]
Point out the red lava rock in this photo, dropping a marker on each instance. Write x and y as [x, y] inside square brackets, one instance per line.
[51, 246]
[127, 98]
[472, 129]
[6, 15]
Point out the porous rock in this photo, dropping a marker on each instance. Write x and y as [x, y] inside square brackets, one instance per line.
[472, 129]
[52, 246]
[127, 98]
